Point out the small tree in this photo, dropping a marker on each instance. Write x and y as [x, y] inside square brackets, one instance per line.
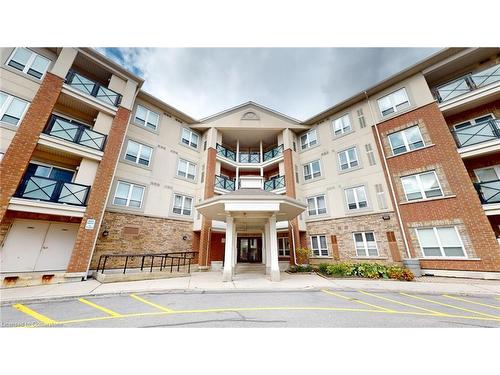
[303, 254]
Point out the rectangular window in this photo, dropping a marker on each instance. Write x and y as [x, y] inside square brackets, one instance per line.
[406, 140]
[421, 186]
[365, 244]
[129, 195]
[316, 205]
[182, 205]
[312, 170]
[370, 154]
[189, 138]
[283, 247]
[146, 117]
[28, 62]
[474, 121]
[348, 158]
[393, 102]
[12, 109]
[186, 169]
[361, 118]
[296, 174]
[440, 242]
[319, 246]
[138, 153]
[356, 198]
[382, 202]
[341, 125]
[308, 140]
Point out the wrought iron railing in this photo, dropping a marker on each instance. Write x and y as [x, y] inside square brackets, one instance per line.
[92, 88]
[277, 151]
[489, 192]
[49, 190]
[250, 157]
[274, 183]
[477, 133]
[226, 152]
[75, 132]
[467, 83]
[224, 183]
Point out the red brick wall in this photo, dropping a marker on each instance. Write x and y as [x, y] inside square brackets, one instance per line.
[290, 192]
[216, 246]
[493, 107]
[465, 208]
[206, 225]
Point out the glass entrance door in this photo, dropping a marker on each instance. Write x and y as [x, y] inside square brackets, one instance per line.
[249, 249]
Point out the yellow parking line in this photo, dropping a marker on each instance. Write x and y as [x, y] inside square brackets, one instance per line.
[41, 318]
[453, 307]
[403, 303]
[356, 300]
[107, 311]
[162, 308]
[474, 302]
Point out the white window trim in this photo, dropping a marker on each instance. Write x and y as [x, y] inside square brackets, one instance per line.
[182, 205]
[191, 132]
[316, 207]
[356, 198]
[6, 105]
[495, 167]
[473, 120]
[441, 250]
[308, 142]
[148, 111]
[188, 163]
[365, 244]
[311, 169]
[51, 166]
[141, 146]
[394, 106]
[282, 248]
[405, 140]
[29, 63]
[421, 187]
[349, 161]
[342, 131]
[132, 185]
[319, 246]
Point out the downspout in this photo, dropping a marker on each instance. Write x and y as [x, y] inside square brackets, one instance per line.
[293, 244]
[391, 186]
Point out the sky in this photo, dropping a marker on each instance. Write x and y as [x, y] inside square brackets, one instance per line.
[298, 82]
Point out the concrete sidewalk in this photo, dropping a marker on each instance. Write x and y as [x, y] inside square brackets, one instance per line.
[212, 281]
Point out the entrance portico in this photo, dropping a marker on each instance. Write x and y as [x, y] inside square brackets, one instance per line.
[251, 209]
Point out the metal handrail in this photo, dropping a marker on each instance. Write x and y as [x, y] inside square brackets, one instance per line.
[274, 183]
[489, 191]
[272, 153]
[225, 152]
[224, 183]
[92, 88]
[251, 157]
[477, 133]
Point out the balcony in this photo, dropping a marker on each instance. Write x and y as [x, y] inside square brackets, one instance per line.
[477, 133]
[275, 183]
[224, 183]
[273, 153]
[89, 87]
[489, 192]
[75, 132]
[226, 152]
[55, 191]
[249, 157]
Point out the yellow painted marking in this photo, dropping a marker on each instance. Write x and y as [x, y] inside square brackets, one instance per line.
[404, 304]
[474, 302]
[103, 309]
[453, 307]
[356, 300]
[163, 308]
[41, 318]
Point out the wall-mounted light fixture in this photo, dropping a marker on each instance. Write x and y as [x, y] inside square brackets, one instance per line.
[386, 217]
[105, 232]
[185, 237]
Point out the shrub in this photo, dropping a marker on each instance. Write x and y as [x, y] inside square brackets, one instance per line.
[301, 268]
[368, 270]
[303, 255]
[323, 268]
[400, 273]
[340, 269]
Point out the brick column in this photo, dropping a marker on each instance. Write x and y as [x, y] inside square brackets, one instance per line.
[18, 155]
[86, 238]
[206, 225]
[293, 235]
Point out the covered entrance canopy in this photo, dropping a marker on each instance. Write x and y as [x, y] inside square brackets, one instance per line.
[251, 208]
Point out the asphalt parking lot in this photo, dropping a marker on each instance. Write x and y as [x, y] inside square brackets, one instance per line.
[317, 308]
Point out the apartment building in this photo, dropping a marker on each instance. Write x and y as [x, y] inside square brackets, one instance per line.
[405, 171]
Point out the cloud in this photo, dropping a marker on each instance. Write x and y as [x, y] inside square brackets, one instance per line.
[299, 82]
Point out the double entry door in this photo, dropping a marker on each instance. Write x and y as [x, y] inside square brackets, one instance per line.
[249, 249]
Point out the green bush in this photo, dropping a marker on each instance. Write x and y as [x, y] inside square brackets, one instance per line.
[368, 270]
[301, 268]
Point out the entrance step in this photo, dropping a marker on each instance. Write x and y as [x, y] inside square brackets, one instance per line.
[250, 268]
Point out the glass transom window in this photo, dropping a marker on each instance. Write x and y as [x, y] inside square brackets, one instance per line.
[146, 117]
[182, 205]
[341, 125]
[12, 109]
[421, 186]
[312, 170]
[308, 140]
[393, 102]
[316, 205]
[440, 242]
[128, 194]
[365, 244]
[348, 159]
[189, 138]
[319, 246]
[186, 169]
[138, 153]
[406, 140]
[29, 62]
[356, 198]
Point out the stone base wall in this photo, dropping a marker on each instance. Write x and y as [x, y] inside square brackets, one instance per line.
[132, 233]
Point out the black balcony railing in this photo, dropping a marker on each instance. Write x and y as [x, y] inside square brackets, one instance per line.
[477, 133]
[49, 190]
[489, 192]
[250, 157]
[226, 152]
[274, 183]
[277, 151]
[75, 132]
[92, 88]
[467, 83]
[224, 183]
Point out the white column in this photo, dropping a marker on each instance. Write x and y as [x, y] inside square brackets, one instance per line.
[273, 239]
[228, 255]
[235, 250]
[261, 156]
[236, 183]
[267, 248]
[237, 151]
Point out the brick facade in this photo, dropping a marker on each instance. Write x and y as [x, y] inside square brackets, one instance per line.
[206, 225]
[293, 233]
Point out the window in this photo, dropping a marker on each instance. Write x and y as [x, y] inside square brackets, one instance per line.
[283, 247]
[382, 203]
[308, 140]
[365, 244]
[341, 125]
[393, 102]
[128, 194]
[138, 153]
[316, 205]
[147, 118]
[28, 62]
[348, 158]
[12, 109]
[361, 118]
[182, 205]
[406, 140]
[296, 174]
[421, 186]
[474, 121]
[488, 174]
[356, 198]
[440, 242]
[49, 171]
[312, 170]
[186, 169]
[189, 138]
[318, 245]
[370, 154]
